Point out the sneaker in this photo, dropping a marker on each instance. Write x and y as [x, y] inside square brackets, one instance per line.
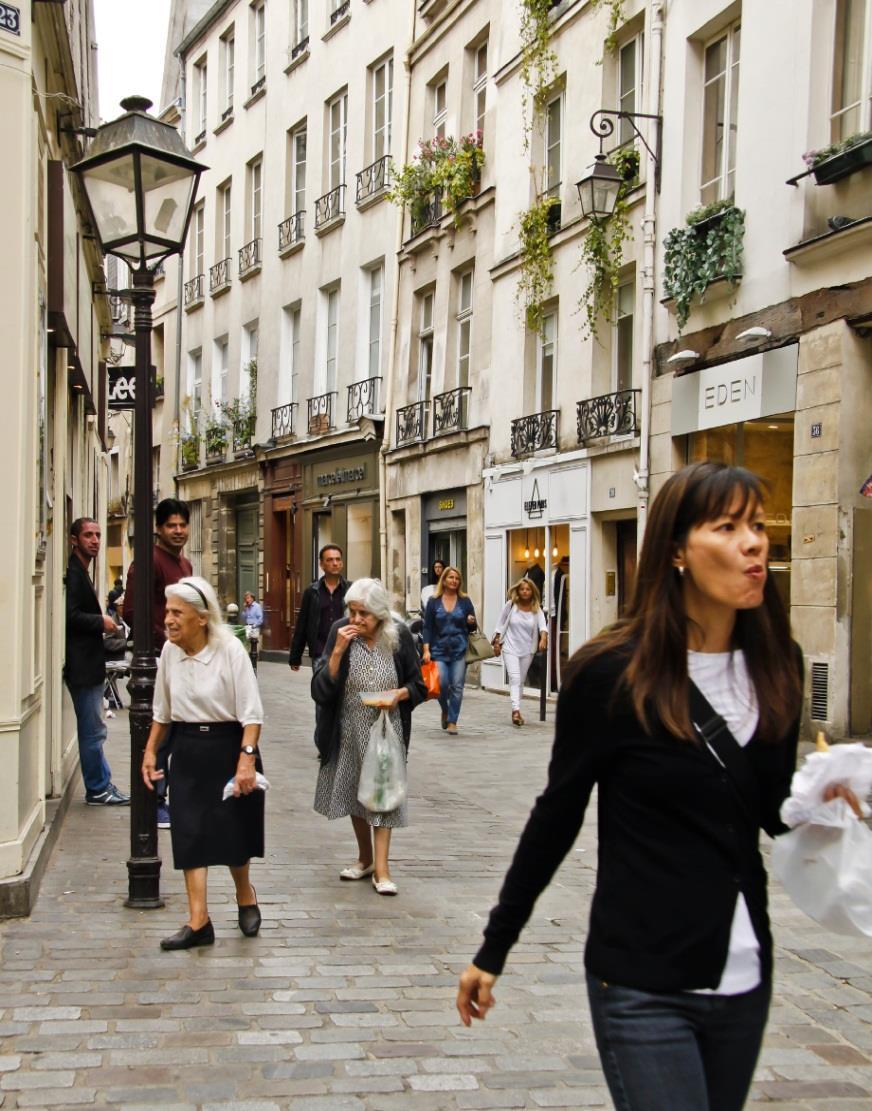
[110, 797]
[163, 815]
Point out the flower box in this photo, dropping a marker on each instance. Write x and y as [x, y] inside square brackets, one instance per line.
[843, 164]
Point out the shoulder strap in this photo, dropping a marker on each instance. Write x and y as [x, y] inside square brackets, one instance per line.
[716, 736]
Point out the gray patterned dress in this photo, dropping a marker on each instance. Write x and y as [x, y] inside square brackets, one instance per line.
[336, 790]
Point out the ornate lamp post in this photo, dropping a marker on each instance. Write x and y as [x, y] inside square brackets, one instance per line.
[141, 182]
[598, 189]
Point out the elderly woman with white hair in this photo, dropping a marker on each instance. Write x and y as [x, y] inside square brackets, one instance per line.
[207, 694]
[370, 651]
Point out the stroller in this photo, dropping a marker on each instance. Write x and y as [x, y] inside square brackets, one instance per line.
[117, 664]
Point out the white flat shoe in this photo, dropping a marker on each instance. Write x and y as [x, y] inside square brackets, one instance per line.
[384, 887]
[355, 872]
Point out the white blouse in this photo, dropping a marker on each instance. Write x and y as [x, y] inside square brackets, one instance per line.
[519, 630]
[217, 684]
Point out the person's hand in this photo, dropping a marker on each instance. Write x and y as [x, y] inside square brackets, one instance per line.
[474, 996]
[109, 625]
[390, 699]
[150, 772]
[245, 780]
[344, 636]
[470, 620]
[840, 791]
[426, 654]
[543, 643]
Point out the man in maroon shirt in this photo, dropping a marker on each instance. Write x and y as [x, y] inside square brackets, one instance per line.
[171, 531]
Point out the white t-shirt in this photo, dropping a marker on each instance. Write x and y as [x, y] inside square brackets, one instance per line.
[217, 684]
[519, 630]
[723, 679]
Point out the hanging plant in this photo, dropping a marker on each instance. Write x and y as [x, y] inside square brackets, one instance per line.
[538, 61]
[701, 252]
[616, 19]
[447, 168]
[215, 435]
[537, 263]
[602, 251]
[189, 447]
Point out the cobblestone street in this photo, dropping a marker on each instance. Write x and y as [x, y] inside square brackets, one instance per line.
[346, 1000]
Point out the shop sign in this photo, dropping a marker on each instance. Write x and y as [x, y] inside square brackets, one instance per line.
[122, 387]
[341, 475]
[444, 504]
[741, 390]
[535, 505]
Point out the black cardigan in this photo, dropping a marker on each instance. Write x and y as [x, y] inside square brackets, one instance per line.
[328, 692]
[85, 657]
[676, 844]
[308, 620]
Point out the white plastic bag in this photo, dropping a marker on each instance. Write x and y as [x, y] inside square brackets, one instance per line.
[850, 765]
[382, 784]
[825, 866]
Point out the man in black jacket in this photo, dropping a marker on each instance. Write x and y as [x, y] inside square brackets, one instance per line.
[323, 603]
[85, 666]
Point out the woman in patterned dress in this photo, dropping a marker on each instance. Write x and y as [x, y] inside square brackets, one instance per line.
[371, 651]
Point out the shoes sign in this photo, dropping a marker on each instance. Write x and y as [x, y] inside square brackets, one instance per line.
[10, 19]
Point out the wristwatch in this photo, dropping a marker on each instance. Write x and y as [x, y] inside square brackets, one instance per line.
[249, 750]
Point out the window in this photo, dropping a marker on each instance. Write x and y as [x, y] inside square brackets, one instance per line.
[195, 388]
[852, 71]
[298, 170]
[220, 370]
[440, 108]
[201, 87]
[479, 87]
[546, 364]
[464, 326]
[622, 346]
[224, 226]
[301, 21]
[337, 112]
[255, 198]
[195, 536]
[332, 340]
[199, 238]
[425, 346]
[382, 93]
[228, 53]
[630, 84]
[553, 146]
[293, 320]
[376, 287]
[720, 103]
[258, 38]
[250, 340]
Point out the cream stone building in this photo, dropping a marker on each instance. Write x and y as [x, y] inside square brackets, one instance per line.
[774, 370]
[54, 316]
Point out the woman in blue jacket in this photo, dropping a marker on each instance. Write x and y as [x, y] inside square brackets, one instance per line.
[448, 620]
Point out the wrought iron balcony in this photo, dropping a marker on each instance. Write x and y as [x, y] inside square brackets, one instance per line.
[299, 48]
[534, 433]
[426, 215]
[451, 410]
[283, 420]
[374, 178]
[339, 12]
[249, 257]
[219, 276]
[363, 399]
[194, 291]
[412, 422]
[613, 414]
[320, 413]
[330, 207]
[291, 230]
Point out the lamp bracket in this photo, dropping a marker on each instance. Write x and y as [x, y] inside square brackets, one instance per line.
[602, 124]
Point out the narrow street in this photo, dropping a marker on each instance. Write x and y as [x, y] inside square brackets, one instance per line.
[346, 1000]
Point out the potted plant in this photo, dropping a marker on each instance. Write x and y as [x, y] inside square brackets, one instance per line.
[831, 164]
[701, 253]
[189, 447]
[446, 169]
[215, 435]
[241, 414]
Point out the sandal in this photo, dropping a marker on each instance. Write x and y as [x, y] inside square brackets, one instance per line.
[516, 718]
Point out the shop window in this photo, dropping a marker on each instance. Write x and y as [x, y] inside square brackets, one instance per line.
[358, 553]
[542, 556]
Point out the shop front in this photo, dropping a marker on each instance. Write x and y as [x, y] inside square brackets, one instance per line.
[537, 527]
[282, 544]
[443, 533]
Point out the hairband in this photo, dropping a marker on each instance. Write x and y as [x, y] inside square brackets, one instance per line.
[188, 583]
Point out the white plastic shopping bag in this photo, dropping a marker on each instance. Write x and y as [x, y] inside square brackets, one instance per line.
[382, 784]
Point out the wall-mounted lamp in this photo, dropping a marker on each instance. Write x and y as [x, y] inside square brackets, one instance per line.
[685, 356]
[598, 189]
[755, 334]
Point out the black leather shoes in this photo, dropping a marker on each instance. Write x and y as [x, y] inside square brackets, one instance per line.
[250, 919]
[187, 938]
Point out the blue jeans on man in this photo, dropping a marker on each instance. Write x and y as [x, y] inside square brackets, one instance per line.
[452, 675]
[91, 728]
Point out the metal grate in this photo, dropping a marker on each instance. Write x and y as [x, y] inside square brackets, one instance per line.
[820, 691]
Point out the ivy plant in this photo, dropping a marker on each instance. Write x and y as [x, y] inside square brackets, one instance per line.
[445, 167]
[694, 257]
[189, 447]
[537, 263]
[616, 19]
[538, 61]
[602, 251]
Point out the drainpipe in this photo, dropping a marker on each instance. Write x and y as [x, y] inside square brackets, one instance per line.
[649, 248]
[180, 284]
[395, 312]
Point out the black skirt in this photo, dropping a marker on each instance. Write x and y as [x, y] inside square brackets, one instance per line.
[206, 830]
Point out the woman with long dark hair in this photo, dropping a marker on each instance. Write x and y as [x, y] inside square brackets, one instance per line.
[685, 716]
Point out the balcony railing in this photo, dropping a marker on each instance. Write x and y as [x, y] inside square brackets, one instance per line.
[339, 12]
[330, 207]
[451, 410]
[298, 49]
[412, 422]
[374, 178]
[613, 414]
[291, 230]
[194, 290]
[249, 257]
[425, 216]
[320, 413]
[363, 399]
[219, 275]
[283, 420]
[534, 433]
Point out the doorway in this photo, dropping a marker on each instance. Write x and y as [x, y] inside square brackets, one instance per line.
[246, 552]
[448, 545]
[627, 541]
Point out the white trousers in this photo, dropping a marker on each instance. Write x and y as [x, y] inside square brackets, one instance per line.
[516, 669]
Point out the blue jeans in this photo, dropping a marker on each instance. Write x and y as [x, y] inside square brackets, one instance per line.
[452, 674]
[91, 729]
[677, 1051]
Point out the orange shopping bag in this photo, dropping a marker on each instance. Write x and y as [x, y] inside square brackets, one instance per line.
[430, 675]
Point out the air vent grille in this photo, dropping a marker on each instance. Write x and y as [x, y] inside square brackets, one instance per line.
[820, 691]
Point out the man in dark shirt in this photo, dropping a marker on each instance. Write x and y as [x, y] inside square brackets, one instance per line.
[322, 603]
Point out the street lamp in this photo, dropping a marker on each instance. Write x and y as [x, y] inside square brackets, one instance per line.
[140, 181]
[598, 189]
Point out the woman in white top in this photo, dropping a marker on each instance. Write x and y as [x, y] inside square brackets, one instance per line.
[207, 694]
[429, 590]
[521, 632]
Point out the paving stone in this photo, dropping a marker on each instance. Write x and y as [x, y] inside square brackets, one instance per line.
[446, 1082]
